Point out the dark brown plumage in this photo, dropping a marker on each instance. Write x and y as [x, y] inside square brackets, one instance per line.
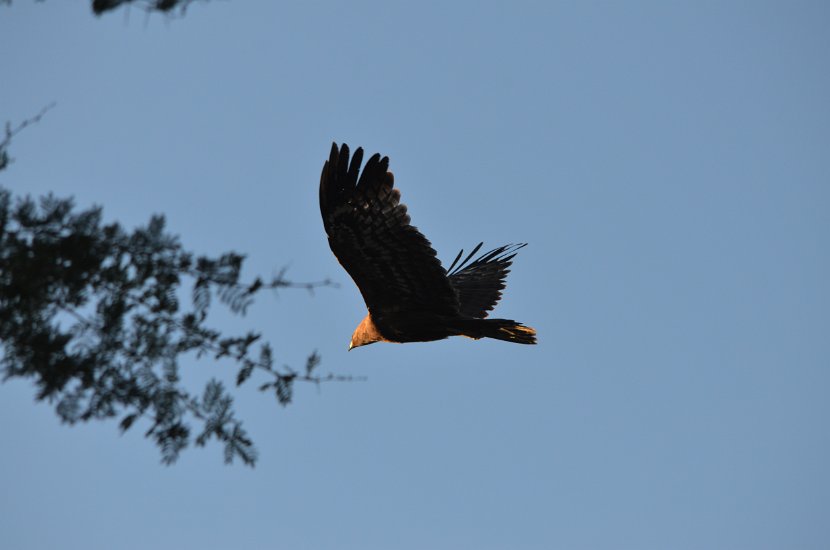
[410, 296]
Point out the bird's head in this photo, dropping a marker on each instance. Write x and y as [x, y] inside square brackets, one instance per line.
[365, 333]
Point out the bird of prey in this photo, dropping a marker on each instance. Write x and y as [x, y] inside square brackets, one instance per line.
[409, 295]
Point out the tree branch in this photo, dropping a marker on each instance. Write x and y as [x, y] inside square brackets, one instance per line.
[10, 132]
[92, 313]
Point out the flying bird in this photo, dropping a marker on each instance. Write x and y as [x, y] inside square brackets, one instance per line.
[409, 295]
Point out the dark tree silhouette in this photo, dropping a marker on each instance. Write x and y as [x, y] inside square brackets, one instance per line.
[94, 315]
[163, 6]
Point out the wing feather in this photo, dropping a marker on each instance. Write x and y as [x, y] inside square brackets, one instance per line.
[479, 283]
[370, 233]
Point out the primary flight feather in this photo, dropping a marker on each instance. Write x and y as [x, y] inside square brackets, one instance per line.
[409, 295]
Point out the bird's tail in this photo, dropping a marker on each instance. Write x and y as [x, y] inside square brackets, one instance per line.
[500, 329]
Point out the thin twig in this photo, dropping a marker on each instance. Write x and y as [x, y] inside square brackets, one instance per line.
[10, 133]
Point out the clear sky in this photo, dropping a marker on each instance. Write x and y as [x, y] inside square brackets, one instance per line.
[669, 164]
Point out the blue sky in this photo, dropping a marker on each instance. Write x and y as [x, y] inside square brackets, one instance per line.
[669, 164]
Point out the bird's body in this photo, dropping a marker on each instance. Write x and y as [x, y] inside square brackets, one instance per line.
[409, 295]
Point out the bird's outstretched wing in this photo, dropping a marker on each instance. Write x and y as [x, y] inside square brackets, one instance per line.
[479, 283]
[392, 263]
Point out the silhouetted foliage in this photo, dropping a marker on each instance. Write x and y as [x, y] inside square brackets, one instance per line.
[93, 314]
[163, 6]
